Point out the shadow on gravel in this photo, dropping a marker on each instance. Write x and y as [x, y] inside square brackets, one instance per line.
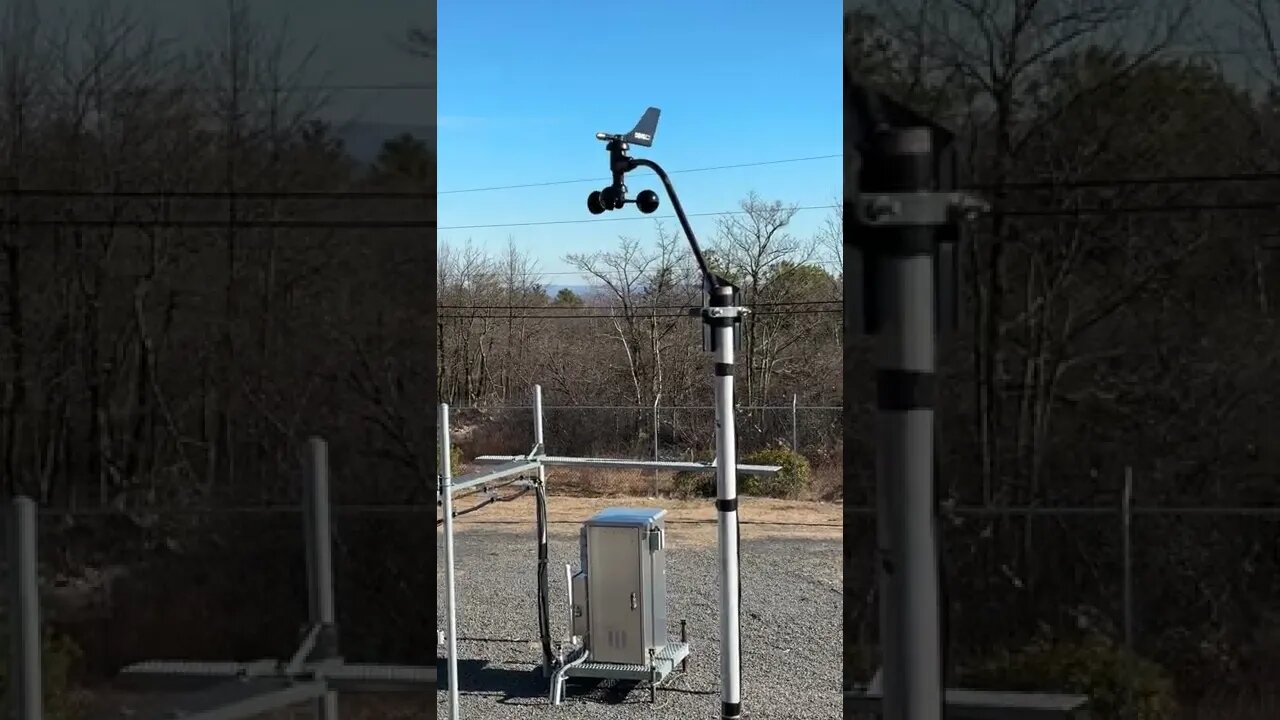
[609, 692]
[478, 677]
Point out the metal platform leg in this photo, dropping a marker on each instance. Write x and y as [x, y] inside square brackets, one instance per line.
[24, 682]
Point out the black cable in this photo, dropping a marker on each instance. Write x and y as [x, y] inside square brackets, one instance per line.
[544, 594]
[486, 503]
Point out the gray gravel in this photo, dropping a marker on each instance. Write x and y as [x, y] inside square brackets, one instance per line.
[791, 632]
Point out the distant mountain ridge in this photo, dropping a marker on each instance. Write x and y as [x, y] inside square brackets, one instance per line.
[363, 140]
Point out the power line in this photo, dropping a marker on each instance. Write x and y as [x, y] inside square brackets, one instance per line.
[669, 172]
[739, 408]
[1012, 185]
[312, 87]
[1122, 182]
[602, 316]
[225, 224]
[281, 509]
[1144, 209]
[583, 273]
[1016, 212]
[339, 195]
[67, 193]
[627, 218]
[780, 303]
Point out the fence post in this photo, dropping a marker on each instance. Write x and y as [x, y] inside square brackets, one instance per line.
[24, 671]
[320, 563]
[1126, 525]
[654, 474]
[795, 432]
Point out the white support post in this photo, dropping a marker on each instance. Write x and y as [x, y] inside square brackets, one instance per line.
[537, 431]
[24, 680]
[540, 537]
[727, 505]
[795, 425]
[446, 491]
[654, 474]
[319, 544]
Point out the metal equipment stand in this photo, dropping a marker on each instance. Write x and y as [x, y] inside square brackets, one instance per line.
[25, 690]
[315, 672]
[525, 469]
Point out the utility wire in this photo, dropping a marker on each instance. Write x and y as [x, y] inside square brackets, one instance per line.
[582, 273]
[1144, 209]
[602, 316]
[550, 183]
[349, 195]
[389, 195]
[1122, 182]
[68, 193]
[283, 89]
[624, 218]
[431, 224]
[224, 224]
[780, 303]
[1013, 212]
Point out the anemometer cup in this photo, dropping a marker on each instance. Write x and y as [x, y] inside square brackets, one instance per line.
[647, 201]
[594, 204]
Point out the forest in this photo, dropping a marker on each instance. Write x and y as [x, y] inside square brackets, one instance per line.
[195, 277]
[1119, 314]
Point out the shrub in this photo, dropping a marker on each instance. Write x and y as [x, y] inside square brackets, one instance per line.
[791, 481]
[60, 656]
[694, 485]
[1119, 683]
[455, 458]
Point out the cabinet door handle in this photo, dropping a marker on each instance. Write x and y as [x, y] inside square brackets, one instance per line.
[633, 601]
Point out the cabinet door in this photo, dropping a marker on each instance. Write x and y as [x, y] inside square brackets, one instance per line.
[617, 631]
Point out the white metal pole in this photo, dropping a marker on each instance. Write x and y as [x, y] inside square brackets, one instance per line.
[24, 676]
[320, 562]
[795, 425]
[537, 431]
[446, 492]
[727, 508]
[654, 474]
[906, 362]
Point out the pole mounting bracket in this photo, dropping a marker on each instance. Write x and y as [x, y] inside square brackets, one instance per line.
[918, 208]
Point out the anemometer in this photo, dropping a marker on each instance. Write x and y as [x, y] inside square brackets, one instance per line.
[721, 315]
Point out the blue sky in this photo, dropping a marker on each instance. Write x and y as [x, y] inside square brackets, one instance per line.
[524, 87]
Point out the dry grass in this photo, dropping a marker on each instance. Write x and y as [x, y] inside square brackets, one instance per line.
[690, 520]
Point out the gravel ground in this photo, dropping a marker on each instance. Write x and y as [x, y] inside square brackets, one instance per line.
[791, 631]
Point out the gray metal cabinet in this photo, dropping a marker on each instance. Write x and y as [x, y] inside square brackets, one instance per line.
[626, 606]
